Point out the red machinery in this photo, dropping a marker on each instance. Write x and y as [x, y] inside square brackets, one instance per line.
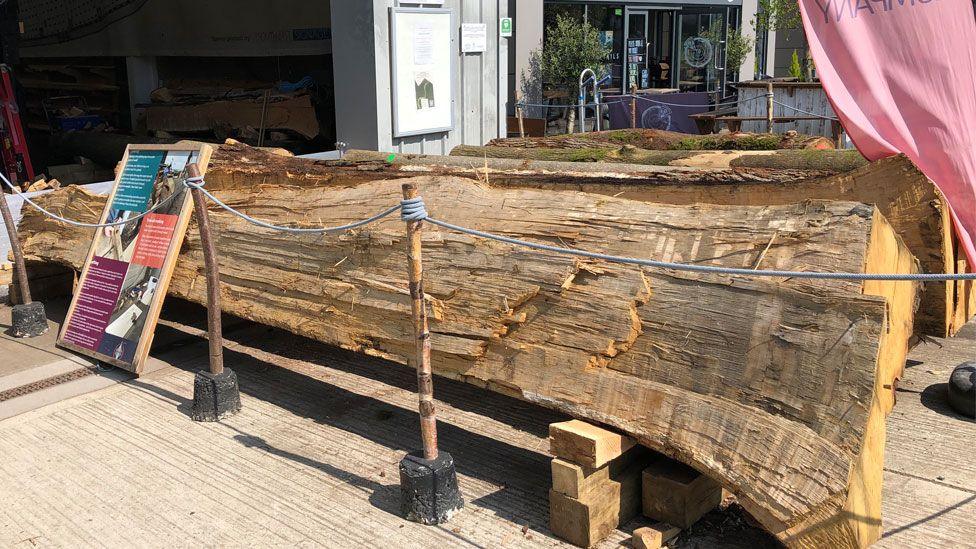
[13, 146]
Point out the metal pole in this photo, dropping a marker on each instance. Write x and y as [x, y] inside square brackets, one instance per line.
[425, 380]
[215, 336]
[769, 107]
[19, 268]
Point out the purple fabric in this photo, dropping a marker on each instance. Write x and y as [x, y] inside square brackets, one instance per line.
[672, 117]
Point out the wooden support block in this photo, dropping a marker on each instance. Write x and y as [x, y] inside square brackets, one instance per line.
[576, 481]
[654, 536]
[586, 521]
[677, 494]
[585, 444]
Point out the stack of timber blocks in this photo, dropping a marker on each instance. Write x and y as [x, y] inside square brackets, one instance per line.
[602, 479]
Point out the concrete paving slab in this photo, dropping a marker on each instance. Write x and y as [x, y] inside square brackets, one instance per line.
[312, 458]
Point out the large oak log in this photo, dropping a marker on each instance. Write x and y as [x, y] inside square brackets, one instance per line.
[775, 388]
[828, 160]
[908, 199]
[661, 140]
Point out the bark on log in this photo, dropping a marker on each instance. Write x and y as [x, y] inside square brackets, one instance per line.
[661, 140]
[829, 160]
[908, 199]
[775, 388]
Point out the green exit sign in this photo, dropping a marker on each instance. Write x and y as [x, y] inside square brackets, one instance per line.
[505, 26]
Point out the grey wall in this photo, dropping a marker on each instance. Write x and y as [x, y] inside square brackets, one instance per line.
[364, 109]
[786, 42]
[528, 24]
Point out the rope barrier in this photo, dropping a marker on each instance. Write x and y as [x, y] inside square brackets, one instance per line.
[52, 215]
[414, 209]
[296, 230]
[913, 277]
[625, 101]
[803, 111]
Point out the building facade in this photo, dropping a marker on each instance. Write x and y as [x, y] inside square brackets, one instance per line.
[674, 44]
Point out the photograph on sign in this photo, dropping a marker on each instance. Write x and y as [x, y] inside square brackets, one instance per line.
[113, 313]
[423, 70]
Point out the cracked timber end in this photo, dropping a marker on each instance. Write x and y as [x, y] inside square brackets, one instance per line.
[28, 320]
[215, 396]
[428, 488]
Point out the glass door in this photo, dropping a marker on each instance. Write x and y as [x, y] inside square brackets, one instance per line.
[701, 51]
[635, 50]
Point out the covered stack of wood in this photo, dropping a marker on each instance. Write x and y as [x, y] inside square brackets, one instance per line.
[775, 388]
[257, 112]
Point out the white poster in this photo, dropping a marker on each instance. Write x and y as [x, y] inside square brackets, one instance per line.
[474, 37]
[423, 70]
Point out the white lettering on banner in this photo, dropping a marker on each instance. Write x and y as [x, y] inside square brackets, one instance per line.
[837, 9]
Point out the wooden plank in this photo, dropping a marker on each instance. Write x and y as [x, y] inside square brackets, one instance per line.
[586, 444]
[676, 494]
[577, 480]
[654, 536]
[585, 522]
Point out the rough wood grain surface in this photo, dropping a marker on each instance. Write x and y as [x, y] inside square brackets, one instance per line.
[909, 201]
[652, 139]
[775, 388]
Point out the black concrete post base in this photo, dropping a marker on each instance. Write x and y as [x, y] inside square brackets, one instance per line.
[28, 320]
[215, 396]
[428, 488]
[961, 391]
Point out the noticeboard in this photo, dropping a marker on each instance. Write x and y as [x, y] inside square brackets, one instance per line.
[422, 62]
[113, 313]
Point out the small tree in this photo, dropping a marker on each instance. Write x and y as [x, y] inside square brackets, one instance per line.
[737, 46]
[778, 15]
[571, 47]
[796, 70]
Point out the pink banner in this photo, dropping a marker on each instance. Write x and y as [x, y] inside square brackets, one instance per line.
[900, 75]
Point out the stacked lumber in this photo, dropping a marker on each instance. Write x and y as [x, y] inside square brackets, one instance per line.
[249, 111]
[596, 481]
[775, 388]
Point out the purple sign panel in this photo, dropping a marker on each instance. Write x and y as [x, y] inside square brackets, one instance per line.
[95, 302]
[659, 111]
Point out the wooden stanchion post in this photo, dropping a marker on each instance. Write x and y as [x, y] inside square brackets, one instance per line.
[215, 332]
[633, 105]
[20, 271]
[429, 491]
[425, 379]
[215, 393]
[769, 107]
[28, 319]
[520, 113]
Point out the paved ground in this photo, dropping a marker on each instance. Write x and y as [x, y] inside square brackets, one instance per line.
[312, 459]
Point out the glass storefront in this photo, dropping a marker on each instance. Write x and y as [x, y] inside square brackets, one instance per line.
[680, 46]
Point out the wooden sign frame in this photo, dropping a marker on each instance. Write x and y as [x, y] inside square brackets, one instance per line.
[156, 289]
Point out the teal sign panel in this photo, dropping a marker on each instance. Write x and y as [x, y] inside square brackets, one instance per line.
[136, 183]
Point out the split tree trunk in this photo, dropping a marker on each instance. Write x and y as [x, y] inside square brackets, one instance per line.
[910, 202]
[777, 388]
[827, 160]
[651, 139]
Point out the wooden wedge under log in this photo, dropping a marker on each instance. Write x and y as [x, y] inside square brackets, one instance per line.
[910, 202]
[776, 388]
